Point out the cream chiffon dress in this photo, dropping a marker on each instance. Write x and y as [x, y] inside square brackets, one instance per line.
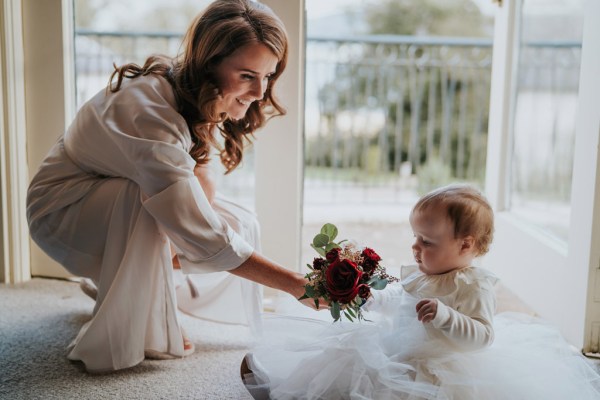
[108, 201]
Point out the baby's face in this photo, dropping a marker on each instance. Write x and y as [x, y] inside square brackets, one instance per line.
[435, 249]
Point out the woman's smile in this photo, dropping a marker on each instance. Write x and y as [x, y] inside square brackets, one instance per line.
[243, 78]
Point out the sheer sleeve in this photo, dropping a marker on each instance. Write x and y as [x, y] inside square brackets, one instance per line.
[137, 134]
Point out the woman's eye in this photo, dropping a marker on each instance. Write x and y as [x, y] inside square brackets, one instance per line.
[247, 77]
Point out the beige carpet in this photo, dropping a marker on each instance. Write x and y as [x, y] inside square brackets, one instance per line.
[38, 319]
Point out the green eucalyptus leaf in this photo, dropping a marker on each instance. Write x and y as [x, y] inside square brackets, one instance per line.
[317, 303]
[331, 246]
[330, 230]
[310, 291]
[321, 240]
[378, 284]
[350, 311]
[310, 267]
[319, 250]
[304, 296]
[335, 310]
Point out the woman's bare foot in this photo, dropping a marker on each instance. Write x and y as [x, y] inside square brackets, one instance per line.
[188, 349]
[188, 346]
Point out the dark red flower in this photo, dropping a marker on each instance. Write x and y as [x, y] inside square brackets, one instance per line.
[370, 260]
[370, 254]
[364, 291]
[342, 280]
[333, 254]
[319, 263]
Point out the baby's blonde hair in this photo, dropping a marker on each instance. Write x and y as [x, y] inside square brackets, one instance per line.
[467, 209]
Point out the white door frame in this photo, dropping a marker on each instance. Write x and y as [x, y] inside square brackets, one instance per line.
[14, 175]
[49, 92]
[559, 280]
[279, 150]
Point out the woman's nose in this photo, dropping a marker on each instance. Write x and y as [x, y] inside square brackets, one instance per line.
[259, 88]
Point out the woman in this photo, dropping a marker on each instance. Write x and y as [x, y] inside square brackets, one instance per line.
[123, 186]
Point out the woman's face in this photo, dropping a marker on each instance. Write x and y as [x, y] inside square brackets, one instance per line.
[435, 249]
[243, 77]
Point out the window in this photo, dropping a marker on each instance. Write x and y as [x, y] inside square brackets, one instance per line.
[545, 109]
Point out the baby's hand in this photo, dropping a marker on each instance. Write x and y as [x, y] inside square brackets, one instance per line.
[427, 309]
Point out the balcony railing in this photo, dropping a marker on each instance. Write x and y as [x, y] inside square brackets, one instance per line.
[383, 113]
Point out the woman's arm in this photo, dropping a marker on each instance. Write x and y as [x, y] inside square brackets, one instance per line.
[205, 177]
[261, 270]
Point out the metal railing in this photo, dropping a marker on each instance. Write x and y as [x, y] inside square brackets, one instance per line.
[392, 108]
[392, 112]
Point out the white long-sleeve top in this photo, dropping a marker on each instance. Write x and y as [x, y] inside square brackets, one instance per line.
[466, 303]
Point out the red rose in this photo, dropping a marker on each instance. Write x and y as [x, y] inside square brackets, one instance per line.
[370, 254]
[364, 291]
[343, 277]
[333, 254]
[370, 260]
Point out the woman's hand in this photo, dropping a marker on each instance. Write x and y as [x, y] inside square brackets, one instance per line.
[427, 310]
[311, 303]
[205, 177]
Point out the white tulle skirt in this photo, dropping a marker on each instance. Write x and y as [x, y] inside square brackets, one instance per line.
[395, 358]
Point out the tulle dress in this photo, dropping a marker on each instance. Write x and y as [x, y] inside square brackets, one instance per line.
[397, 357]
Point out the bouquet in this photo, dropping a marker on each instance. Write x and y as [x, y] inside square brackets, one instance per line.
[344, 275]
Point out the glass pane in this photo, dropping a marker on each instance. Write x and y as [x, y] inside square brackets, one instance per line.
[545, 112]
[111, 31]
[397, 102]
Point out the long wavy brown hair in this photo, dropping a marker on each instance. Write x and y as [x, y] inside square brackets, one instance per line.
[223, 27]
